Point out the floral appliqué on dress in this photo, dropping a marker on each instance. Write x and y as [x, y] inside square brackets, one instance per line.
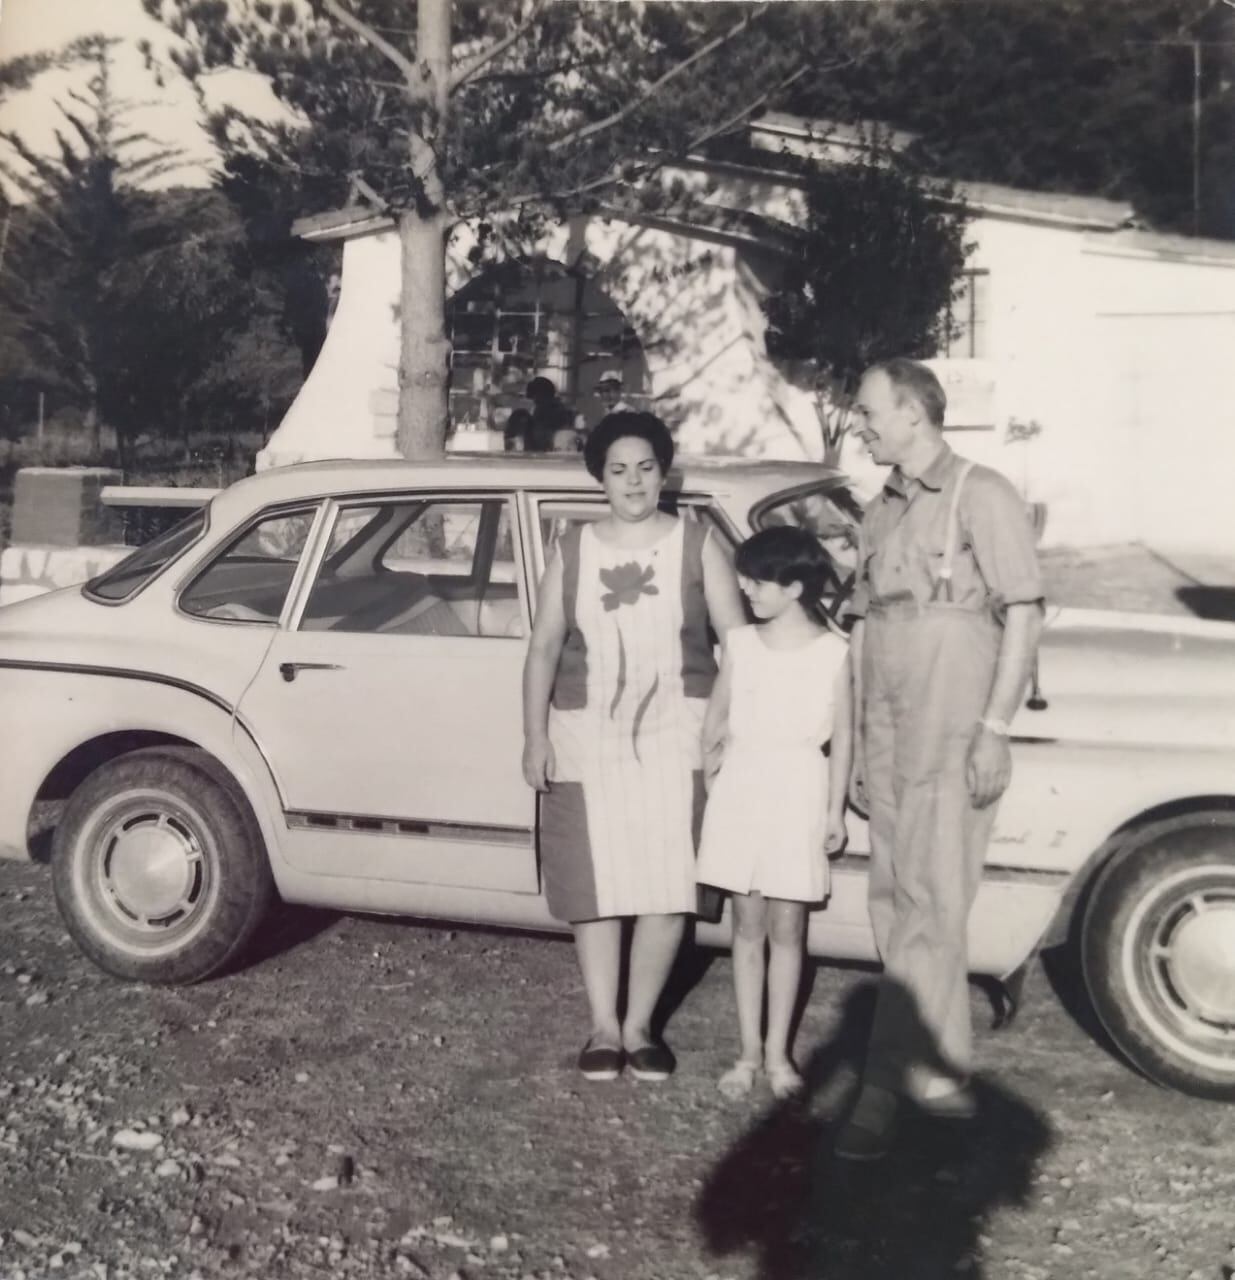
[626, 583]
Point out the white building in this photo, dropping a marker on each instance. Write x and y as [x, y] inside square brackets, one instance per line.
[1108, 342]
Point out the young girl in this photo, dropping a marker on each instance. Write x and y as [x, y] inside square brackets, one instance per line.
[776, 806]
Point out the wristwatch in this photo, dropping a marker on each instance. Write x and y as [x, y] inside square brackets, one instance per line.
[999, 727]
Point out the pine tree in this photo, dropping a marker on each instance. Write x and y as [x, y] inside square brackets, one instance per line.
[501, 114]
[121, 298]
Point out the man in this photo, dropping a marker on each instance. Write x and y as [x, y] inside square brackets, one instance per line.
[553, 428]
[609, 393]
[949, 606]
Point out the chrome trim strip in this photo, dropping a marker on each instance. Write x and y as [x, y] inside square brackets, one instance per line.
[423, 828]
[860, 862]
[120, 673]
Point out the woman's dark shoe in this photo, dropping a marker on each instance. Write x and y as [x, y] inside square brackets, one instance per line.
[600, 1062]
[652, 1062]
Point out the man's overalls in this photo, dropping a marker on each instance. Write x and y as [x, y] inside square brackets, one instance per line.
[928, 668]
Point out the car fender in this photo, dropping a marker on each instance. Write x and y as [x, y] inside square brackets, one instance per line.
[59, 710]
[1084, 796]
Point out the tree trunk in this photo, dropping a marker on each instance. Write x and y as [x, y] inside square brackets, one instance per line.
[424, 350]
[423, 409]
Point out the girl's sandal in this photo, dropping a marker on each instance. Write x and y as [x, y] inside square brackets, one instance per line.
[784, 1081]
[739, 1080]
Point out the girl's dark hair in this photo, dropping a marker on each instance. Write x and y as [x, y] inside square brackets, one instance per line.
[617, 426]
[784, 554]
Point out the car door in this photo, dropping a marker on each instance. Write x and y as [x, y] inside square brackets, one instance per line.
[389, 702]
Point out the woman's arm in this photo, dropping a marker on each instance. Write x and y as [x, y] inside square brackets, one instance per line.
[543, 652]
[720, 589]
[716, 720]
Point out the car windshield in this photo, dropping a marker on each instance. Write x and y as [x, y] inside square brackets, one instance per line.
[135, 571]
[831, 512]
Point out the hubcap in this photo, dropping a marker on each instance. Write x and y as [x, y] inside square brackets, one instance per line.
[1179, 963]
[1197, 951]
[152, 866]
[146, 871]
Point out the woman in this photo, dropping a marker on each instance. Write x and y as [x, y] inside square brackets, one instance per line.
[621, 644]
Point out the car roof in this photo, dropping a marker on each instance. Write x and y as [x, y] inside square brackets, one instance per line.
[566, 473]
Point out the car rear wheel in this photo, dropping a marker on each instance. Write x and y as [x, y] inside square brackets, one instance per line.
[1158, 952]
[159, 868]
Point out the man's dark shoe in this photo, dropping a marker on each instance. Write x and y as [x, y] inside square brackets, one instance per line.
[868, 1132]
[600, 1062]
[652, 1062]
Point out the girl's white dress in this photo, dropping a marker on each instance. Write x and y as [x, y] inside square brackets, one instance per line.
[766, 818]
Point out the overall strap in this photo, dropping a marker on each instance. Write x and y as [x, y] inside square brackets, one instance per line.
[952, 534]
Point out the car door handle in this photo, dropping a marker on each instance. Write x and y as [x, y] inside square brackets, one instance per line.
[288, 669]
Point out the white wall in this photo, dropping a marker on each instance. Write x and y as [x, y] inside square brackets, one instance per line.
[1115, 343]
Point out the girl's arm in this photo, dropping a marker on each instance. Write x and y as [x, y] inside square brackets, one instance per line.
[539, 669]
[840, 758]
[716, 720]
[720, 589]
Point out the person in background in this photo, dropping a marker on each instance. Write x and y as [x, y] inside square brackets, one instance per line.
[514, 434]
[609, 393]
[615, 685]
[553, 428]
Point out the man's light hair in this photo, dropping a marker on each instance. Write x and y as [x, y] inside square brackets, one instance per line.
[912, 378]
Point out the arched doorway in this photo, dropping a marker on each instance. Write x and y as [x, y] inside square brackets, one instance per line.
[520, 320]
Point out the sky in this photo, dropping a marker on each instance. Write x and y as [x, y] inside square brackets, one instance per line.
[169, 114]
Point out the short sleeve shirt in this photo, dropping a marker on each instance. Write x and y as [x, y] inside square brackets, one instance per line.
[901, 544]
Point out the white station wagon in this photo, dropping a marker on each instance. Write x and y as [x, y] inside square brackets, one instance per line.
[311, 686]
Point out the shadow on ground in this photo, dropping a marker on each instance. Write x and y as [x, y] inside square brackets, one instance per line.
[1215, 603]
[918, 1214]
[286, 927]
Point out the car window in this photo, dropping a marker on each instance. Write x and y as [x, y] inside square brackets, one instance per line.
[127, 577]
[832, 514]
[558, 516]
[249, 579]
[419, 567]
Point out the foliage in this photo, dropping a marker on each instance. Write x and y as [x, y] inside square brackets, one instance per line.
[1055, 95]
[118, 300]
[544, 109]
[874, 274]
[534, 126]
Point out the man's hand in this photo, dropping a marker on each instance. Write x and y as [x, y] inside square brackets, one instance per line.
[988, 769]
[538, 763]
[857, 779]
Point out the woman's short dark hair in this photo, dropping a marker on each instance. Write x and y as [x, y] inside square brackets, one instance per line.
[617, 426]
[785, 553]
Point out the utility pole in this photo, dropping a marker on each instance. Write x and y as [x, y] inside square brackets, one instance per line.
[1196, 45]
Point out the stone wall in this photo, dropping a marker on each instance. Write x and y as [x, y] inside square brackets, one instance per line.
[62, 532]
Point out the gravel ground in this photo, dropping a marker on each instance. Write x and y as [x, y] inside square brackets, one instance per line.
[380, 1098]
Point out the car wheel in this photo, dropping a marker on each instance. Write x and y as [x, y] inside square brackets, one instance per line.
[1158, 952]
[159, 868]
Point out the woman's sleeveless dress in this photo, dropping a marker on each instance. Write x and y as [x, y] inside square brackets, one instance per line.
[767, 812]
[619, 825]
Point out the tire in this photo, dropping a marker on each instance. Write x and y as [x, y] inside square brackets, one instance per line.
[1158, 952]
[159, 868]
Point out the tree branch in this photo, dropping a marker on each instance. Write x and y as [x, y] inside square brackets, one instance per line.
[470, 68]
[641, 169]
[739, 116]
[411, 72]
[597, 126]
